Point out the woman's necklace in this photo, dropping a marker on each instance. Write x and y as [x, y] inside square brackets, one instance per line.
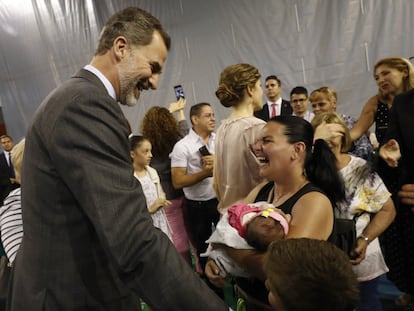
[272, 198]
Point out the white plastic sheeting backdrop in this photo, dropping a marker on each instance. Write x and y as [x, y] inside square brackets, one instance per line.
[305, 42]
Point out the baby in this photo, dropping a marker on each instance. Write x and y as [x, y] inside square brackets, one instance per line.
[246, 226]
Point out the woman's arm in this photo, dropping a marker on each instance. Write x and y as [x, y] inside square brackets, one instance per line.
[178, 107]
[377, 225]
[312, 217]
[366, 119]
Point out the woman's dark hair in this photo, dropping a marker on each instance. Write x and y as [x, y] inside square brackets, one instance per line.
[320, 162]
[161, 129]
[135, 141]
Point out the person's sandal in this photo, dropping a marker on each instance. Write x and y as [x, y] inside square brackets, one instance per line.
[405, 300]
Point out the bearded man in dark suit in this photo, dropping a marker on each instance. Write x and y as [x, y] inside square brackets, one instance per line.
[89, 242]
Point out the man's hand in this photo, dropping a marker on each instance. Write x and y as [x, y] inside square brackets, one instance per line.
[406, 195]
[390, 153]
[208, 164]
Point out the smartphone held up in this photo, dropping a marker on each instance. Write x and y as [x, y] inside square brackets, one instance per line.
[179, 91]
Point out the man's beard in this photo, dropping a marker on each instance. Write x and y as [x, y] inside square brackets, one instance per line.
[128, 97]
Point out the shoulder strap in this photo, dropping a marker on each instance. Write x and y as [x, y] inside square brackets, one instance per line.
[287, 206]
[264, 192]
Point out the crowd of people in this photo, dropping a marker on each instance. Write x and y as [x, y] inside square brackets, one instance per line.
[96, 217]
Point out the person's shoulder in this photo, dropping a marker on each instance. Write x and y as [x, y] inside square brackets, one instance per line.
[250, 122]
[181, 145]
[313, 201]
[285, 102]
[405, 97]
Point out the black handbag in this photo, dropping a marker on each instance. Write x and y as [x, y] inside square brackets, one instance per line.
[344, 235]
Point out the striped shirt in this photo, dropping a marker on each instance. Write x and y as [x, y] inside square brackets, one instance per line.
[11, 224]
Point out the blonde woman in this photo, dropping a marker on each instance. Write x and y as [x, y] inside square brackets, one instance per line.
[325, 99]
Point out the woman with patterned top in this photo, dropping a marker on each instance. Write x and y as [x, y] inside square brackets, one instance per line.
[367, 200]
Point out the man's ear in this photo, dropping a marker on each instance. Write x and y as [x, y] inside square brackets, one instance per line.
[120, 47]
[132, 154]
[194, 119]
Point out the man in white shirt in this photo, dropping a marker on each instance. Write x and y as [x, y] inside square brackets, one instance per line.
[274, 105]
[299, 101]
[192, 165]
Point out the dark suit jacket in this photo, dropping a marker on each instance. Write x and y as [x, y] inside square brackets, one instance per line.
[400, 127]
[264, 113]
[5, 174]
[89, 242]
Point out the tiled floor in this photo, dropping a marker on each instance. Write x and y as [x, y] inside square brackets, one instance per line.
[388, 293]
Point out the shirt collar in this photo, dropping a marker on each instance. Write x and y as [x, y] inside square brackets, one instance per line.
[195, 137]
[109, 88]
[278, 102]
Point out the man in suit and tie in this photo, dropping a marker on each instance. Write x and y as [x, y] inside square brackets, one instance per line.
[8, 180]
[89, 242]
[274, 105]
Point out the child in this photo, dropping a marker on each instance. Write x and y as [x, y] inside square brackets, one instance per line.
[148, 177]
[246, 226]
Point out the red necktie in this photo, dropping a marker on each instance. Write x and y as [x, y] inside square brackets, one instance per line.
[273, 110]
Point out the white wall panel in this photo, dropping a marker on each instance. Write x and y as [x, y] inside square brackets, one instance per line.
[305, 42]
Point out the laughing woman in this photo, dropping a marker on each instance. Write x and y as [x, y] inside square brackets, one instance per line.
[303, 182]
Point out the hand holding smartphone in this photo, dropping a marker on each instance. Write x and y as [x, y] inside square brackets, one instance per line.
[204, 151]
[179, 91]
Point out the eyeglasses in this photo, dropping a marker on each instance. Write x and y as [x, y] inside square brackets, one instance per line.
[299, 100]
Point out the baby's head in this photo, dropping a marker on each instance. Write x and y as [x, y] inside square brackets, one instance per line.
[268, 226]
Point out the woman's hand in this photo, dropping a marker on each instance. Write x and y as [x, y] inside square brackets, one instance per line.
[159, 203]
[359, 252]
[177, 106]
[212, 272]
[328, 131]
